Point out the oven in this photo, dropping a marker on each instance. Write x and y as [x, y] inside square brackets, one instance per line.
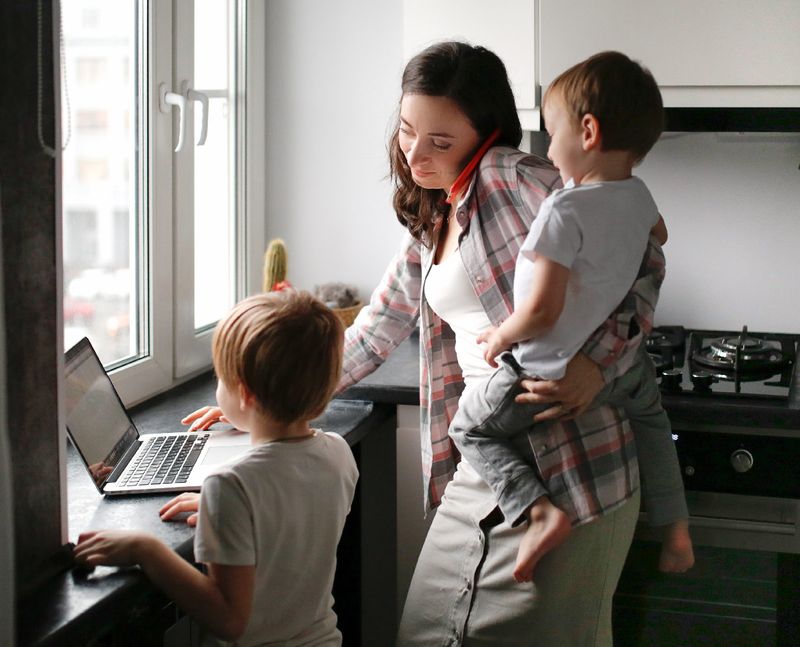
[736, 427]
[733, 398]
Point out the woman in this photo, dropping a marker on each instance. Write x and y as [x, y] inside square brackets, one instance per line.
[467, 198]
[454, 272]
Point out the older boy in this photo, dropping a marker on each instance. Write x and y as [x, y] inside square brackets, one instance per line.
[269, 523]
[578, 262]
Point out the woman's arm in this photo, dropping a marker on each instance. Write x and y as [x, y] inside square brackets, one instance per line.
[379, 328]
[389, 318]
[220, 601]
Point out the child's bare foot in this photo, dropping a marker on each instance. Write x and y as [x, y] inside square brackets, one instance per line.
[677, 555]
[548, 527]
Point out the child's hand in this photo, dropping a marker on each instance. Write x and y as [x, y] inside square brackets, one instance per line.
[495, 344]
[203, 418]
[110, 547]
[186, 502]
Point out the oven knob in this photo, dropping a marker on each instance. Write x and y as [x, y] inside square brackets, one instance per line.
[671, 379]
[702, 380]
[689, 470]
[742, 461]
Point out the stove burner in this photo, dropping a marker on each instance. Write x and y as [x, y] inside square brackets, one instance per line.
[666, 346]
[741, 358]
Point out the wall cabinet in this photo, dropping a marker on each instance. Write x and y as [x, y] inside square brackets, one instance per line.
[703, 53]
[508, 28]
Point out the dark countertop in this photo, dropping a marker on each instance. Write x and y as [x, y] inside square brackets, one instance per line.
[72, 607]
[397, 382]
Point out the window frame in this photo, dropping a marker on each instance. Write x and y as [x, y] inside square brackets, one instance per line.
[176, 353]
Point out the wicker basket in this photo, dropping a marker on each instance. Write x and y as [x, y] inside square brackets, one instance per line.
[348, 315]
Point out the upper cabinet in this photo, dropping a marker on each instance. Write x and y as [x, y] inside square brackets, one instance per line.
[703, 53]
[507, 27]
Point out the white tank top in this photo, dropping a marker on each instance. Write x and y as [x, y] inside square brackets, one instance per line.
[450, 295]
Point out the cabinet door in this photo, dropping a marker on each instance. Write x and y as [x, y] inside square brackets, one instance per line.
[701, 52]
[507, 27]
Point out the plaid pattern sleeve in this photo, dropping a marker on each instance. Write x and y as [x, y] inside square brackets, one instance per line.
[388, 319]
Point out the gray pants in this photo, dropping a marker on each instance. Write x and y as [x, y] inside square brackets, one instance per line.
[488, 419]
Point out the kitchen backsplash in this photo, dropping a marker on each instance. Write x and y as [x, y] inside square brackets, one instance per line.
[732, 205]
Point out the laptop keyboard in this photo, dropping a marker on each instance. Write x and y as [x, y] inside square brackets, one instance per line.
[165, 460]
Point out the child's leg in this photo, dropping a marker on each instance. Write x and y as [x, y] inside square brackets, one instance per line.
[662, 485]
[482, 429]
[486, 421]
[548, 527]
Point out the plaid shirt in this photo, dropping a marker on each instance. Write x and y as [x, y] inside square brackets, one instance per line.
[589, 464]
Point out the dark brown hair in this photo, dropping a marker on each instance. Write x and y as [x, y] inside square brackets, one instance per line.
[286, 348]
[476, 80]
[621, 94]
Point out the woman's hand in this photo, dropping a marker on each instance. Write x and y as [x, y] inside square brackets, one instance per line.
[186, 502]
[110, 547]
[203, 418]
[495, 344]
[574, 392]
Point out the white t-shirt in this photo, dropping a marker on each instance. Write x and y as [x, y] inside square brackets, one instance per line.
[451, 296]
[282, 508]
[600, 232]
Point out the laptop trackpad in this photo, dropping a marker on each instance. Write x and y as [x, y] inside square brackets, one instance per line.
[217, 455]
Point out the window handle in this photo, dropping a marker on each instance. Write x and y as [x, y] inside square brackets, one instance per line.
[168, 99]
[195, 95]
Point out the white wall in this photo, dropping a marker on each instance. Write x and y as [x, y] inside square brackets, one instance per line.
[333, 84]
[732, 206]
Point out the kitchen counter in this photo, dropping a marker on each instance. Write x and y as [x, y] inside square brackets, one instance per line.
[75, 607]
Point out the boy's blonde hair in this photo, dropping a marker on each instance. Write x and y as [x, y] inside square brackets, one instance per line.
[284, 347]
[621, 94]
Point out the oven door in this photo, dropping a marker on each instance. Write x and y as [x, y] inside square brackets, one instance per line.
[742, 486]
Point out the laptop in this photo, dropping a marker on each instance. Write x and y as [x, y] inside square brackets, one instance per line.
[119, 459]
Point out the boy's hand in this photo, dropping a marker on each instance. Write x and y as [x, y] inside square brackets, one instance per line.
[186, 502]
[203, 418]
[495, 344]
[110, 548]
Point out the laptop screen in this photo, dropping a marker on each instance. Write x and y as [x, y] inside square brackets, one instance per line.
[97, 421]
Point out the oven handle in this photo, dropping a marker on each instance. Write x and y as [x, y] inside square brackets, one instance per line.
[739, 524]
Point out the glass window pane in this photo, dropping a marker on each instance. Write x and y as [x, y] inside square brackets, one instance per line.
[102, 116]
[214, 169]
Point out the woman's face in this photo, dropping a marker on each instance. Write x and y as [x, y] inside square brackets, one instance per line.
[436, 138]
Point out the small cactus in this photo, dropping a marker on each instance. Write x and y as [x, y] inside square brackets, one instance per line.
[274, 266]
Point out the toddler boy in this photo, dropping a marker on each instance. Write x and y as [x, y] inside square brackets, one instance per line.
[579, 260]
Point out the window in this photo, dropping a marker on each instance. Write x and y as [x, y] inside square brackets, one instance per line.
[91, 120]
[158, 243]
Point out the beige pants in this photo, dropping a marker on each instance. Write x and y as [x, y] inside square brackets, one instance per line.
[463, 592]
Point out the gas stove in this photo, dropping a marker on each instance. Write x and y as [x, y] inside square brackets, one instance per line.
[712, 363]
[733, 398]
